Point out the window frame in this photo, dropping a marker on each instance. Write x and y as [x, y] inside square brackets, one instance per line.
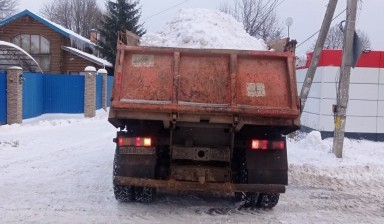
[18, 40]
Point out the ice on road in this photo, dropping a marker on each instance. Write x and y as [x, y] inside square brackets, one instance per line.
[57, 169]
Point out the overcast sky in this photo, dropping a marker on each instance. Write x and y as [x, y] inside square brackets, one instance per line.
[307, 16]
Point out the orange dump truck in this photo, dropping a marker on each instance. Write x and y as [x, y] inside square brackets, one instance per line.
[203, 120]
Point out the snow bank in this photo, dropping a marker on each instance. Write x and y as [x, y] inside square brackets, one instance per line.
[310, 149]
[301, 60]
[313, 164]
[203, 28]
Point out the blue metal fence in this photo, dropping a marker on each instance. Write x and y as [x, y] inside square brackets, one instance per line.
[3, 97]
[109, 89]
[99, 91]
[45, 93]
[64, 94]
[33, 100]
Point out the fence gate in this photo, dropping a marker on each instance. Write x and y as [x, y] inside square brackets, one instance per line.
[48, 93]
[3, 98]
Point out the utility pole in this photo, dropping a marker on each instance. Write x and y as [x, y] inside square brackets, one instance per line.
[345, 71]
[317, 52]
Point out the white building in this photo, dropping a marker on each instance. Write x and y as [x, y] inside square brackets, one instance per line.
[365, 114]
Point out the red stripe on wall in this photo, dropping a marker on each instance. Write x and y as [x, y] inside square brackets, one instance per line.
[371, 59]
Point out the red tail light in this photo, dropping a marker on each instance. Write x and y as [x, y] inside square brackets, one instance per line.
[120, 141]
[259, 144]
[138, 142]
[267, 144]
[264, 145]
[134, 141]
[278, 145]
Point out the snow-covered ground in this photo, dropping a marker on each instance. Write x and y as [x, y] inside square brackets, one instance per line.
[58, 169]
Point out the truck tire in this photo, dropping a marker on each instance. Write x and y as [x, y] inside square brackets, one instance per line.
[123, 193]
[145, 194]
[267, 200]
[242, 178]
[249, 199]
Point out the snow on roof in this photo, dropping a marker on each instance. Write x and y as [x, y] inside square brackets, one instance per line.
[89, 57]
[203, 28]
[80, 40]
[11, 45]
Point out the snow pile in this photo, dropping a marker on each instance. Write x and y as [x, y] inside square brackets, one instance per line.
[203, 28]
[310, 149]
[301, 60]
[313, 164]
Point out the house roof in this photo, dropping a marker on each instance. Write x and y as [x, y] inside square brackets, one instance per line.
[13, 55]
[86, 56]
[56, 27]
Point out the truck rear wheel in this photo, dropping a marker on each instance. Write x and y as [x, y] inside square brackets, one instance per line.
[252, 199]
[123, 193]
[267, 200]
[249, 199]
[145, 194]
[242, 177]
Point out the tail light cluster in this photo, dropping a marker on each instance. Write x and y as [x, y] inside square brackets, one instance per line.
[133, 141]
[267, 144]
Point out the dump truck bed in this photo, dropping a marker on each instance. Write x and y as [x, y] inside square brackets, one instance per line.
[205, 85]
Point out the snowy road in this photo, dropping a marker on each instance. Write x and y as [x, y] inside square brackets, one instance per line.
[60, 171]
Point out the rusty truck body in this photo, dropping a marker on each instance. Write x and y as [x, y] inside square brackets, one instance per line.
[203, 120]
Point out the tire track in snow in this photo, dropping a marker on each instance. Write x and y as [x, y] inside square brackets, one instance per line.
[354, 194]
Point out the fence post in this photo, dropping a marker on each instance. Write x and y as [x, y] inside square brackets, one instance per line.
[104, 72]
[90, 92]
[15, 95]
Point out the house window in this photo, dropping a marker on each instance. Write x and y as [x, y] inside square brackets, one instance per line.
[37, 46]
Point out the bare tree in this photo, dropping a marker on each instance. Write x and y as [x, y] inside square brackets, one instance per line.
[59, 12]
[7, 8]
[366, 42]
[78, 15]
[258, 17]
[335, 39]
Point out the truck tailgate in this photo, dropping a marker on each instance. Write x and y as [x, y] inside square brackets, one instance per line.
[205, 81]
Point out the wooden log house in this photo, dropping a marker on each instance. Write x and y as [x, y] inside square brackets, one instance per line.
[56, 49]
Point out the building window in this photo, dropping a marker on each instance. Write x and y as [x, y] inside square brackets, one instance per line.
[37, 46]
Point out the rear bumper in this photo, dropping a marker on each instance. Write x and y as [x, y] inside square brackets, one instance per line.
[195, 186]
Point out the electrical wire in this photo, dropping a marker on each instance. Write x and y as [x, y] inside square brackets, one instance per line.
[319, 30]
[360, 9]
[337, 80]
[277, 5]
[273, 8]
[165, 10]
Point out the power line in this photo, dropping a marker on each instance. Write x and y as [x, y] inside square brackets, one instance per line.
[167, 9]
[270, 11]
[279, 3]
[319, 30]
